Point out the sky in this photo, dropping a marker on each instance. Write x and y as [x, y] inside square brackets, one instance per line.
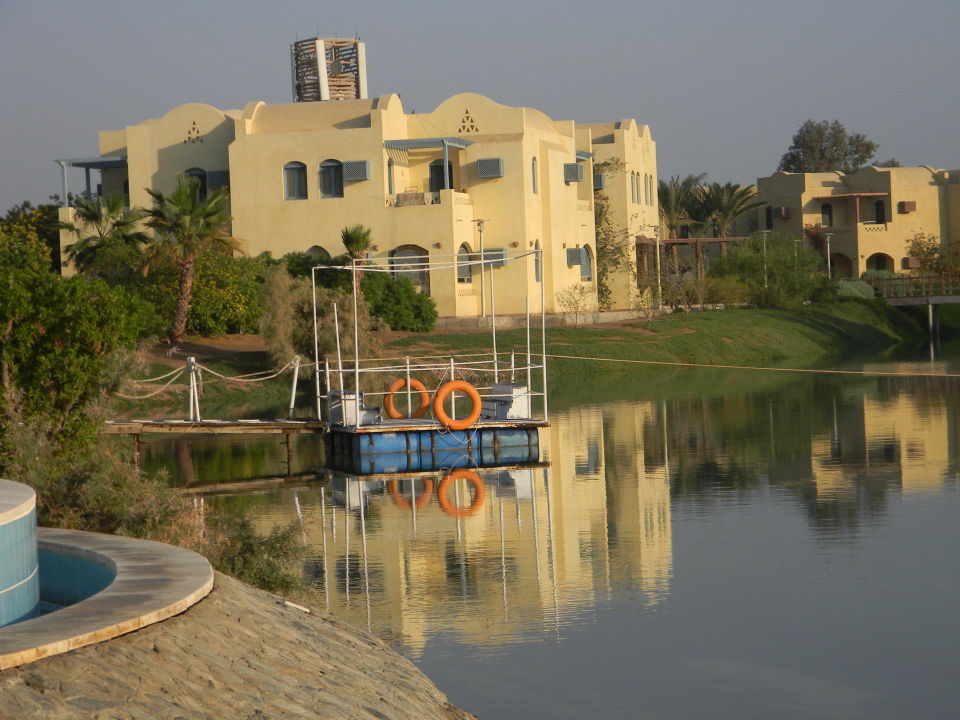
[722, 84]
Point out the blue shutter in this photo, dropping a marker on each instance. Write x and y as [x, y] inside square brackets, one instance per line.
[599, 181]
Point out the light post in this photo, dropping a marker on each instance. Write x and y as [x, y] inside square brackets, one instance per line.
[483, 296]
[656, 238]
[764, 236]
[829, 269]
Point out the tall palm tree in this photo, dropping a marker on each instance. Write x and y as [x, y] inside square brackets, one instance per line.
[725, 203]
[186, 224]
[678, 200]
[102, 223]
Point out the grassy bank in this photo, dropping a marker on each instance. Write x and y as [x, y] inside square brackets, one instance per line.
[748, 337]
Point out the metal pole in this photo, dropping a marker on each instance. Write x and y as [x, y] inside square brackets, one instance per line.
[659, 288]
[409, 393]
[356, 344]
[483, 296]
[316, 344]
[527, 308]
[829, 269]
[453, 394]
[543, 336]
[764, 235]
[293, 387]
[336, 327]
[493, 320]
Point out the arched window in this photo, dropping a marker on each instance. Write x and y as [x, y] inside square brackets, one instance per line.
[390, 186]
[826, 215]
[534, 176]
[200, 175]
[880, 211]
[537, 263]
[331, 179]
[410, 261]
[295, 181]
[586, 264]
[317, 252]
[464, 272]
[437, 181]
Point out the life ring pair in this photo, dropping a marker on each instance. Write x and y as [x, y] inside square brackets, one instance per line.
[438, 412]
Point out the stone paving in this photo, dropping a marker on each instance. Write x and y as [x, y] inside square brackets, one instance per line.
[242, 654]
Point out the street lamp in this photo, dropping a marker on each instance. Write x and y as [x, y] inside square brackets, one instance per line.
[829, 270]
[483, 296]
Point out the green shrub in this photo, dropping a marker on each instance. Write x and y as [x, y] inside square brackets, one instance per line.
[397, 302]
[855, 289]
[878, 275]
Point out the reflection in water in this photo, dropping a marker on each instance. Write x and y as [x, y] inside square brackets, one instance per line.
[665, 517]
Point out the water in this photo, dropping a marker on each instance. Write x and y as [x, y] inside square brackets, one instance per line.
[702, 544]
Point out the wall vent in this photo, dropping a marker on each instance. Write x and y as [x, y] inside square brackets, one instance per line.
[572, 172]
[356, 170]
[490, 167]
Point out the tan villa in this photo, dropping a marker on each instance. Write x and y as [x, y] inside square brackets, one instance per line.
[472, 174]
[869, 215]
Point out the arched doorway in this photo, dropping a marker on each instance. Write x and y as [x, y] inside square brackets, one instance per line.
[410, 261]
[436, 176]
[880, 261]
[464, 272]
[841, 267]
[200, 175]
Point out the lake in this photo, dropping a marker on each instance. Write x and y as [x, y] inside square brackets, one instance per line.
[698, 544]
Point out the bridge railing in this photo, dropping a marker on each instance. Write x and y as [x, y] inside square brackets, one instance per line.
[917, 286]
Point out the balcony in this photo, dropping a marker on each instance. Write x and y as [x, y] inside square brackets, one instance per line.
[413, 198]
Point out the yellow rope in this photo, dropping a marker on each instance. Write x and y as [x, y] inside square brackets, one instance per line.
[754, 367]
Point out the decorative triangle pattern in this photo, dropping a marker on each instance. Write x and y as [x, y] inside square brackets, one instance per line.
[468, 124]
[193, 134]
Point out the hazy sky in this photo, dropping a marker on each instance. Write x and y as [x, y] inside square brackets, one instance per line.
[722, 84]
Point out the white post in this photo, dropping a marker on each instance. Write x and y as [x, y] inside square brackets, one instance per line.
[316, 345]
[513, 365]
[657, 264]
[409, 393]
[336, 328]
[543, 337]
[529, 371]
[293, 387]
[453, 394]
[326, 375]
[493, 320]
[356, 341]
[483, 298]
[829, 269]
[193, 388]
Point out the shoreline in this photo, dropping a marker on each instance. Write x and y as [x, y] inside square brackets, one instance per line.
[241, 653]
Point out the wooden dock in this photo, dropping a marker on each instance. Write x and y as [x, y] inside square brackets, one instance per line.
[213, 427]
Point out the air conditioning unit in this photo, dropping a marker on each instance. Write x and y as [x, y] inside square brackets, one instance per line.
[783, 213]
[356, 170]
[907, 206]
[572, 172]
[490, 168]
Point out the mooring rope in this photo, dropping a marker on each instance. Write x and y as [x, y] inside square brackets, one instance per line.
[871, 373]
[155, 392]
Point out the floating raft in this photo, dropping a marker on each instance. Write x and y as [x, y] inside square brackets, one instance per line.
[415, 445]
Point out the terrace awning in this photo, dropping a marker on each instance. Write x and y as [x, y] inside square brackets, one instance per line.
[103, 162]
[421, 143]
[846, 196]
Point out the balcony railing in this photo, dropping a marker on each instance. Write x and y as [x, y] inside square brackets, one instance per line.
[410, 198]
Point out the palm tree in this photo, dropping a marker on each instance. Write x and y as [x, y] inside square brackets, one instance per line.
[186, 224]
[725, 203]
[102, 223]
[678, 200]
[356, 239]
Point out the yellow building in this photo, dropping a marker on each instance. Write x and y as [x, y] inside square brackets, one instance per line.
[439, 185]
[869, 215]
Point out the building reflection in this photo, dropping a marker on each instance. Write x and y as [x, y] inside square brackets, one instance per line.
[541, 547]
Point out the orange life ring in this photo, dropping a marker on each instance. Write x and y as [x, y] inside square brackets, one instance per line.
[441, 395]
[398, 385]
[478, 494]
[419, 501]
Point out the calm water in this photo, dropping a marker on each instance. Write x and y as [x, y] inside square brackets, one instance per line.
[702, 545]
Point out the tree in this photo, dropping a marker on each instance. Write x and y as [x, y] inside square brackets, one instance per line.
[933, 256]
[826, 146]
[102, 225]
[613, 243]
[43, 220]
[356, 239]
[186, 224]
[725, 203]
[678, 200]
[778, 270]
